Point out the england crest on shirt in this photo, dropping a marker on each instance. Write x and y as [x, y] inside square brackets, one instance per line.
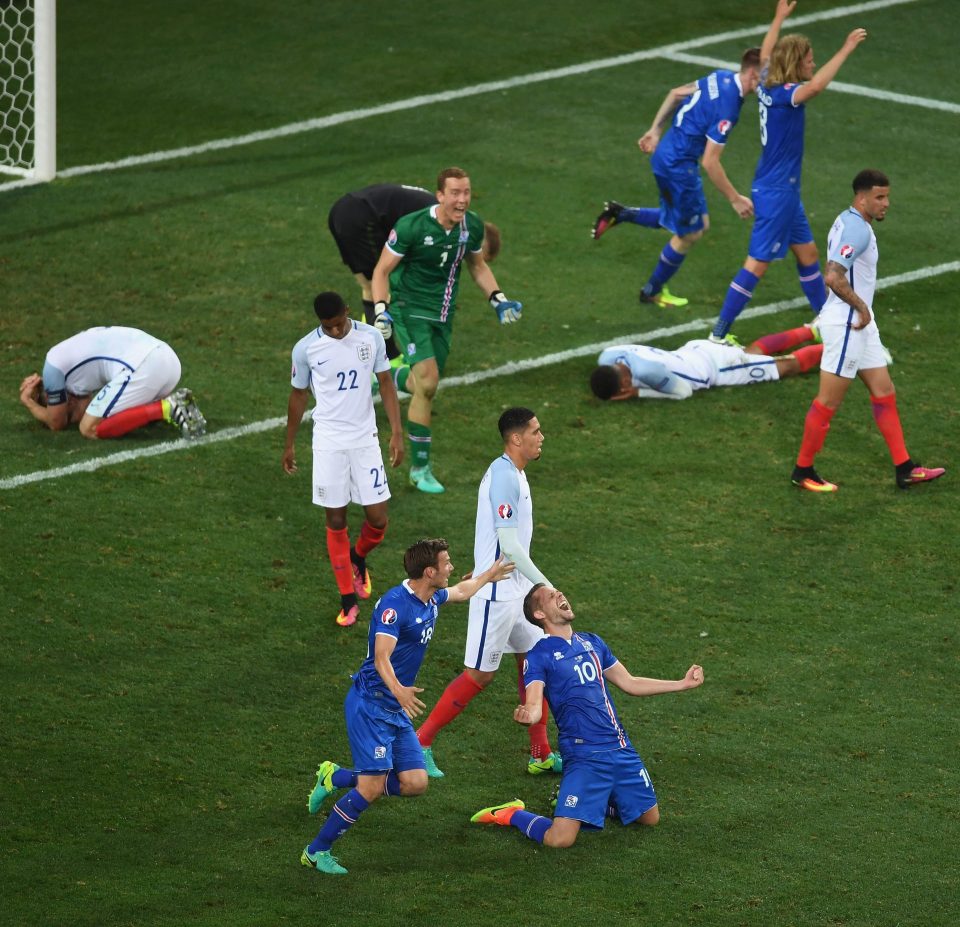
[364, 352]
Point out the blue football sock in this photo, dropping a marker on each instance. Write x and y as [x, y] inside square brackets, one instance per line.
[392, 784]
[667, 266]
[344, 778]
[343, 816]
[640, 215]
[811, 282]
[531, 825]
[738, 295]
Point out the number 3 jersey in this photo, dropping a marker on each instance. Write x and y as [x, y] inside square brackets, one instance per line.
[402, 615]
[572, 674]
[338, 372]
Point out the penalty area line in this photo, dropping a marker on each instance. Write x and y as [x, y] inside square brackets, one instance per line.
[466, 379]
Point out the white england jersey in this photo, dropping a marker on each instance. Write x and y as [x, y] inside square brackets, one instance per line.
[852, 243]
[503, 502]
[85, 362]
[694, 362]
[339, 371]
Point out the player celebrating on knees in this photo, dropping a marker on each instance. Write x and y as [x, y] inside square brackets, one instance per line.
[787, 82]
[851, 339]
[336, 361]
[387, 758]
[420, 266]
[602, 773]
[504, 526]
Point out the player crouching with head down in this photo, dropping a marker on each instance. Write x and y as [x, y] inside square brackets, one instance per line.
[602, 774]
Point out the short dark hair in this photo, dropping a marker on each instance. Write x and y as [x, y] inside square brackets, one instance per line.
[528, 604]
[605, 381]
[868, 179]
[514, 420]
[750, 59]
[449, 172]
[425, 553]
[328, 305]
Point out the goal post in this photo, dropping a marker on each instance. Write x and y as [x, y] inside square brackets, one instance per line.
[28, 88]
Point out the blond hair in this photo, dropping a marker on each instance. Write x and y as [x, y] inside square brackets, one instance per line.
[787, 60]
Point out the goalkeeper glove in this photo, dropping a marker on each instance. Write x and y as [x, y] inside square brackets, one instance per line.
[508, 310]
[382, 319]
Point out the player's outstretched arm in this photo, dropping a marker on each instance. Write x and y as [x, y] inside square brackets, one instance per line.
[467, 588]
[641, 685]
[507, 310]
[784, 9]
[532, 710]
[405, 695]
[296, 406]
[829, 71]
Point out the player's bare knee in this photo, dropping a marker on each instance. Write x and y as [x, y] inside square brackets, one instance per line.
[650, 817]
[482, 678]
[88, 426]
[560, 838]
[413, 782]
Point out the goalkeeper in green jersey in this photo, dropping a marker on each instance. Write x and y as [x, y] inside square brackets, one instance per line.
[420, 267]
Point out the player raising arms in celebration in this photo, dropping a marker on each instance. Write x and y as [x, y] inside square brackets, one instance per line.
[602, 773]
[787, 82]
[497, 626]
[336, 362]
[851, 339]
[387, 758]
[706, 112]
[420, 266]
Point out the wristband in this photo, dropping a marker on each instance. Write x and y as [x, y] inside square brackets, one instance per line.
[380, 306]
[496, 297]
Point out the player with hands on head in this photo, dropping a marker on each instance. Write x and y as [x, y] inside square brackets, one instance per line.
[703, 114]
[851, 339]
[603, 776]
[387, 759]
[110, 380]
[788, 79]
[336, 362]
[419, 273]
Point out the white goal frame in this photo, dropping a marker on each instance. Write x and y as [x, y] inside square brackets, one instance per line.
[43, 69]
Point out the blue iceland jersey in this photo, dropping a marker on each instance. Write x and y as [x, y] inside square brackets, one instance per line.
[781, 137]
[572, 673]
[402, 615]
[711, 111]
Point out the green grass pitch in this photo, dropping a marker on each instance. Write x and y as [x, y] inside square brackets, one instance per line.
[171, 673]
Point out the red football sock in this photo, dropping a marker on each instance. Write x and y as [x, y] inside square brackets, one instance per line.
[369, 538]
[338, 548]
[455, 698]
[888, 421]
[815, 430]
[780, 342]
[129, 419]
[809, 357]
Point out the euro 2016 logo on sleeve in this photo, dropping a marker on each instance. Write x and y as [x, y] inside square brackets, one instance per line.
[392, 237]
[364, 352]
[505, 510]
[389, 616]
[724, 126]
[846, 251]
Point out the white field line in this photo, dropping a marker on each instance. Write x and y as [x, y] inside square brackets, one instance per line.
[325, 122]
[855, 89]
[505, 370]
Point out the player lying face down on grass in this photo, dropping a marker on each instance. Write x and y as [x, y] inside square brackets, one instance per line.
[603, 776]
[630, 371]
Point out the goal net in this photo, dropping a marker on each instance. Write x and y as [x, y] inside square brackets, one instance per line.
[28, 88]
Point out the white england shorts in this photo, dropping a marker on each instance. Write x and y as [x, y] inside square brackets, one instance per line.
[845, 351]
[737, 368]
[156, 378]
[496, 628]
[357, 475]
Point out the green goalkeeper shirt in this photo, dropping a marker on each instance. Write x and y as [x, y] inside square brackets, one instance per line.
[424, 284]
